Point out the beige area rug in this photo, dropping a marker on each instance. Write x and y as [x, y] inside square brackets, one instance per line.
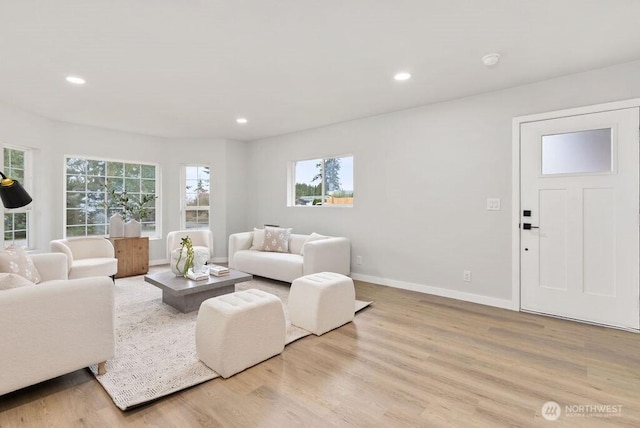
[155, 343]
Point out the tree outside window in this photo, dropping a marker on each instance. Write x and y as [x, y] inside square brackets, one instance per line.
[17, 220]
[196, 199]
[88, 191]
[324, 182]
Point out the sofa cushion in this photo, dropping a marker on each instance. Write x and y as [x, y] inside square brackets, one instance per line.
[15, 260]
[313, 237]
[276, 239]
[98, 266]
[296, 242]
[258, 239]
[280, 266]
[11, 280]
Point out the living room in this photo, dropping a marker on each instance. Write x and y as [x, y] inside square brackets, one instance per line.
[393, 177]
[422, 176]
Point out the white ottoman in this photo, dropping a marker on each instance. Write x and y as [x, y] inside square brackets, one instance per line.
[321, 302]
[238, 330]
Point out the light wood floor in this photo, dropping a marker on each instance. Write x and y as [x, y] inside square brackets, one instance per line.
[409, 360]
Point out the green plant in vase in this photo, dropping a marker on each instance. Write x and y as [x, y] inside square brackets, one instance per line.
[127, 206]
[189, 255]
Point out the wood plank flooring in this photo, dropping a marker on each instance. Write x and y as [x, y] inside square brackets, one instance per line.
[410, 360]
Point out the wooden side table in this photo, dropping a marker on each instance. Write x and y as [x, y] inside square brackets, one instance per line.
[132, 255]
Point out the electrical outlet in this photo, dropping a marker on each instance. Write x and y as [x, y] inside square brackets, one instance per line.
[493, 204]
[466, 276]
[359, 260]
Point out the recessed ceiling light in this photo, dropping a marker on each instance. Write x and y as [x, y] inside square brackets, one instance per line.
[76, 80]
[242, 120]
[402, 76]
[491, 59]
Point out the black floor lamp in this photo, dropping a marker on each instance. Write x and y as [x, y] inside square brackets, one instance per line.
[12, 193]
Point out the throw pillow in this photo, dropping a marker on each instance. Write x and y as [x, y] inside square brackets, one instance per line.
[313, 237]
[16, 260]
[11, 280]
[276, 239]
[258, 239]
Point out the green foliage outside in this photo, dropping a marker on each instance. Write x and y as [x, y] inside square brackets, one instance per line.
[15, 223]
[199, 196]
[342, 194]
[129, 206]
[97, 189]
[303, 189]
[328, 173]
[331, 174]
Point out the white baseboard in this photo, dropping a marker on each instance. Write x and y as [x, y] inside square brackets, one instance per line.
[438, 291]
[422, 288]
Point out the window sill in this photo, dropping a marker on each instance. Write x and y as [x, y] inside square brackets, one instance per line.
[320, 206]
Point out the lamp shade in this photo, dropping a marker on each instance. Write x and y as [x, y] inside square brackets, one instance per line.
[12, 193]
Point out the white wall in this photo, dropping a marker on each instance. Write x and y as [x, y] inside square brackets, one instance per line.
[421, 181]
[53, 140]
[422, 177]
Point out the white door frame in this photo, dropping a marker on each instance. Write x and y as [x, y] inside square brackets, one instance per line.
[515, 190]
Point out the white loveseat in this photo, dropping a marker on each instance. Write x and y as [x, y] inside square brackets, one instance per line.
[56, 326]
[305, 257]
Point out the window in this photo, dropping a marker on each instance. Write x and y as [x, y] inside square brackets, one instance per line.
[322, 182]
[577, 152]
[87, 203]
[195, 197]
[17, 221]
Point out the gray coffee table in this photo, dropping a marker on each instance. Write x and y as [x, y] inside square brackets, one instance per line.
[186, 295]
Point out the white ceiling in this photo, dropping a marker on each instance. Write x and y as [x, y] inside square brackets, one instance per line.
[188, 68]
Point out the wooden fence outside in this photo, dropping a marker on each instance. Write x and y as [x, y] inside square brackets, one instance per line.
[330, 200]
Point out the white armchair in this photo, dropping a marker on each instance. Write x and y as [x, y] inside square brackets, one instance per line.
[87, 256]
[201, 239]
[56, 326]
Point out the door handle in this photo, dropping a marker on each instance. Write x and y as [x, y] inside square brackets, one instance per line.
[528, 226]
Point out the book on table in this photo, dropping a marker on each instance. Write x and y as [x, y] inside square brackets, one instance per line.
[218, 270]
[199, 276]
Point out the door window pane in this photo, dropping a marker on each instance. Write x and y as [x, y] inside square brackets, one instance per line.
[577, 152]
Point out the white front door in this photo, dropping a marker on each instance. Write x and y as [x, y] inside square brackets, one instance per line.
[579, 224]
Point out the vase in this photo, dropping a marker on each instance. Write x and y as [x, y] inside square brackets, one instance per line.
[178, 261]
[116, 226]
[132, 229]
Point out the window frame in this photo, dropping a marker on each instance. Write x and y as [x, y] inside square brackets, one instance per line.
[184, 208]
[156, 234]
[27, 184]
[291, 182]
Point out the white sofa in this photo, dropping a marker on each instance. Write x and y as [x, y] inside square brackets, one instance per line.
[56, 326]
[332, 254]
